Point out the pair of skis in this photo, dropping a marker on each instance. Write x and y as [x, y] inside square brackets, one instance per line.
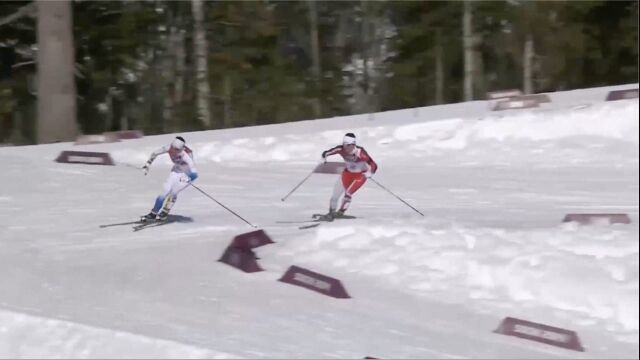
[139, 225]
[316, 221]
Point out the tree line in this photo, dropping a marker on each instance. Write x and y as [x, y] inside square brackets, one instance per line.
[169, 66]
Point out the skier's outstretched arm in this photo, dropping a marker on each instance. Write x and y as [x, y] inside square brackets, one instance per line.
[332, 151]
[153, 156]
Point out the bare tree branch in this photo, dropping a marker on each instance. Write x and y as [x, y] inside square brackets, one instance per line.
[28, 9]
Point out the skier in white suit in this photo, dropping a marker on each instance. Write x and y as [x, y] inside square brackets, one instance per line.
[182, 173]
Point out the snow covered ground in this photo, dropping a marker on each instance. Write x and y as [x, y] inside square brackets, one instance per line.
[494, 187]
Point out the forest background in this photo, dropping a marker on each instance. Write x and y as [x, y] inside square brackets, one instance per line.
[71, 67]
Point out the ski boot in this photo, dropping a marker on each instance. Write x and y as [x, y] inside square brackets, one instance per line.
[163, 216]
[149, 217]
[168, 204]
[327, 217]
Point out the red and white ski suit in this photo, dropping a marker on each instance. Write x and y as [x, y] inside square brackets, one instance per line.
[357, 163]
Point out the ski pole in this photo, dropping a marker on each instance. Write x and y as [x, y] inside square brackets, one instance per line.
[297, 186]
[396, 196]
[130, 165]
[219, 203]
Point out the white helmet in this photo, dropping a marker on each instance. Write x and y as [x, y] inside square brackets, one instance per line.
[349, 139]
[178, 143]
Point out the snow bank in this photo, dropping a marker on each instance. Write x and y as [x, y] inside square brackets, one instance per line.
[493, 269]
[26, 336]
[608, 121]
[613, 121]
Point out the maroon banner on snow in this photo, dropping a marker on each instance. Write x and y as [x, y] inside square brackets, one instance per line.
[539, 332]
[502, 94]
[622, 94]
[251, 240]
[329, 168]
[539, 98]
[85, 157]
[95, 139]
[242, 259]
[313, 281]
[593, 218]
[126, 134]
[515, 104]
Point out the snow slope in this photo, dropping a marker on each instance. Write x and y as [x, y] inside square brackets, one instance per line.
[494, 187]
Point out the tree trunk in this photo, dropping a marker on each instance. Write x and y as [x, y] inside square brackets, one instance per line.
[108, 119]
[227, 121]
[365, 40]
[169, 79]
[17, 137]
[467, 32]
[56, 79]
[478, 66]
[439, 69]
[158, 92]
[124, 119]
[315, 57]
[340, 40]
[178, 91]
[527, 62]
[202, 72]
